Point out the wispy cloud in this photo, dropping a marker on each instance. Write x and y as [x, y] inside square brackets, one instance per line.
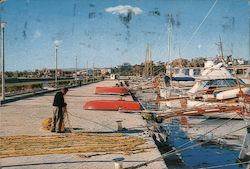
[124, 9]
[37, 34]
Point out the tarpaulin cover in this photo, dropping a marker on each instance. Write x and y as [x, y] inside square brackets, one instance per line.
[183, 79]
[167, 78]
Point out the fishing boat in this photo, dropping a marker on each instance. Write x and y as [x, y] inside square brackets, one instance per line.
[113, 105]
[111, 90]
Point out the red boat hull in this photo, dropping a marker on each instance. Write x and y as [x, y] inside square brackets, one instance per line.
[111, 90]
[112, 105]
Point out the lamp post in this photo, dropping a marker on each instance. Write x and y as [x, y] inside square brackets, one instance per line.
[2, 25]
[76, 71]
[56, 49]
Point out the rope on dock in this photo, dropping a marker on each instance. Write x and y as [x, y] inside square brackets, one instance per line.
[105, 126]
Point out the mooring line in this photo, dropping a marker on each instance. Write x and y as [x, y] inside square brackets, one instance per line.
[105, 126]
[180, 150]
[226, 165]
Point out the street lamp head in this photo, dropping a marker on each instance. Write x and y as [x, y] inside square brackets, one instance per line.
[2, 1]
[2, 24]
[57, 42]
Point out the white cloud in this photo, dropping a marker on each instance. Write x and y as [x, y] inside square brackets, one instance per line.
[199, 46]
[124, 9]
[37, 34]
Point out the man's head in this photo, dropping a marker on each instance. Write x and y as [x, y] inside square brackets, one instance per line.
[65, 90]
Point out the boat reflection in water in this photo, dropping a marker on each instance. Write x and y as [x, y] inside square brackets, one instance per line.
[201, 150]
[199, 129]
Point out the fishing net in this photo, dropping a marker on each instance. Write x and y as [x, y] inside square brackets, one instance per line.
[12, 146]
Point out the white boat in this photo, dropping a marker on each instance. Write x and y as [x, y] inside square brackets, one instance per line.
[217, 80]
[231, 93]
[213, 88]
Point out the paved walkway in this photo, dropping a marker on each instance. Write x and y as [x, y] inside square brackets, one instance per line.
[24, 117]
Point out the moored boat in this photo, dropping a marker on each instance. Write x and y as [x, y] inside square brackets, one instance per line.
[111, 90]
[112, 105]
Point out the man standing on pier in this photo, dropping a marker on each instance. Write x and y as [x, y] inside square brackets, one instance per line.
[58, 111]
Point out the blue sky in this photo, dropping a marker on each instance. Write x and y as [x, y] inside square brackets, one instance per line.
[84, 29]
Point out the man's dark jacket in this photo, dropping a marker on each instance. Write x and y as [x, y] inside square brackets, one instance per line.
[59, 100]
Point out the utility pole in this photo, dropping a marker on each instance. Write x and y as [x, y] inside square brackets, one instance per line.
[87, 65]
[87, 69]
[76, 70]
[2, 26]
[93, 71]
[56, 51]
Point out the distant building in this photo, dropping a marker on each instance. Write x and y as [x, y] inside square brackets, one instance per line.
[68, 73]
[236, 61]
[114, 70]
[86, 72]
[50, 72]
[114, 76]
[125, 67]
[159, 63]
[105, 71]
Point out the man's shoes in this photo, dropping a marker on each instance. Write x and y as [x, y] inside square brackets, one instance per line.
[53, 130]
[60, 131]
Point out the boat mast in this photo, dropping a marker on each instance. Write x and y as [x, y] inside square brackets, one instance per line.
[249, 29]
[170, 27]
[220, 46]
[179, 55]
[148, 64]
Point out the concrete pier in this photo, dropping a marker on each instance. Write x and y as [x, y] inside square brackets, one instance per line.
[24, 117]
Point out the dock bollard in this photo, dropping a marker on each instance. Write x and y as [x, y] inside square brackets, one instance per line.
[118, 162]
[119, 125]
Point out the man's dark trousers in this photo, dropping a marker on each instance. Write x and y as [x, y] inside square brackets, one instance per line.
[57, 119]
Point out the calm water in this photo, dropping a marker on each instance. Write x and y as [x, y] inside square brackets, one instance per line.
[197, 157]
[205, 155]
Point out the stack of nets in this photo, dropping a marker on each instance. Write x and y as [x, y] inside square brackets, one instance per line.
[46, 124]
